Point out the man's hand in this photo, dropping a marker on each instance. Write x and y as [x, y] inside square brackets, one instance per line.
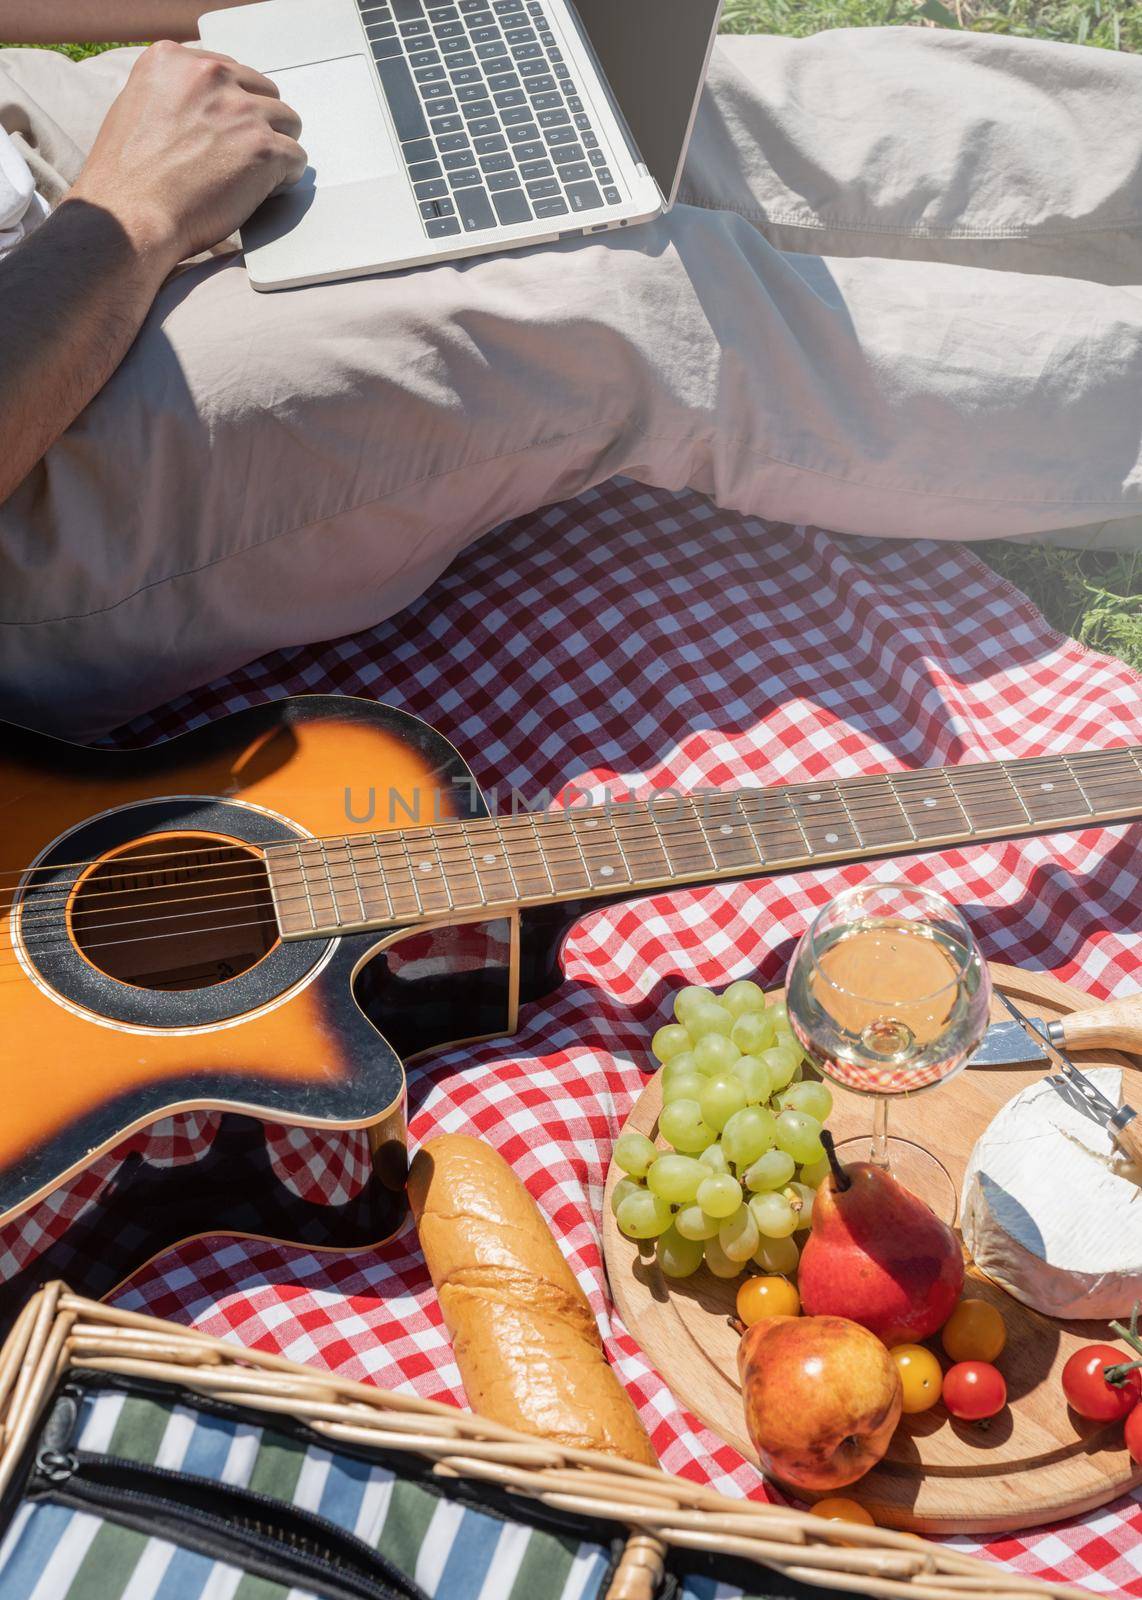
[194, 143]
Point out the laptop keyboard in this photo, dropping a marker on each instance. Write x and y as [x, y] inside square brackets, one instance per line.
[491, 124]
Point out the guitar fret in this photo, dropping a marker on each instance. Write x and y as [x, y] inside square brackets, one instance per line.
[729, 842]
[619, 846]
[370, 842]
[663, 846]
[641, 845]
[895, 785]
[464, 879]
[884, 822]
[505, 857]
[473, 870]
[691, 806]
[683, 833]
[1015, 790]
[543, 857]
[1051, 791]
[958, 804]
[601, 849]
[527, 864]
[931, 807]
[569, 824]
[320, 893]
[1077, 781]
[398, 877]
[289, 886]
[826, 830]
[457, 870]
[411, 873]
[352, 882]
[791, 805]
[490, 874]
[989, 799]
[329, 879]
[848, 815]
[444, 884]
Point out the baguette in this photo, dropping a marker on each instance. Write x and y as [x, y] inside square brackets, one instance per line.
[524, 1336]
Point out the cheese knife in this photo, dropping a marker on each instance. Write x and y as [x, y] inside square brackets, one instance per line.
[1117, 1025]
[1122, 1122]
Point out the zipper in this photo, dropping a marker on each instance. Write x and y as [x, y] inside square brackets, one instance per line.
[58, 1434]
[292, 1545]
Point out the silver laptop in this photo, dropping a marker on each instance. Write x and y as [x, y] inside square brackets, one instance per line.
[445, 128]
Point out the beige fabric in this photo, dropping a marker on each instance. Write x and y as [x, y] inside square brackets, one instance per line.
[266, 470]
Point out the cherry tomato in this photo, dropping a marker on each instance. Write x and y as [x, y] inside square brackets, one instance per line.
[1088, 1392]
[975, 1331]
[1133, 1431]
[837, 1509]
[920, 1376]
[973, 1390]
[767, 1297]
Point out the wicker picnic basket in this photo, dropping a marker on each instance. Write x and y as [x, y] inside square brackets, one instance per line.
[59, 1331]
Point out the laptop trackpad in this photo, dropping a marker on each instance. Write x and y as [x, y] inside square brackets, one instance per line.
[343, 129]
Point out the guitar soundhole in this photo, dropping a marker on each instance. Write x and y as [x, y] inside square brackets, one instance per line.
[171, 913]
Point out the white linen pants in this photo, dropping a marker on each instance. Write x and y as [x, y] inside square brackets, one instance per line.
[898, 296]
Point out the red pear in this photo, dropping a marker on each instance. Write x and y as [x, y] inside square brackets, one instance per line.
[879, 1256]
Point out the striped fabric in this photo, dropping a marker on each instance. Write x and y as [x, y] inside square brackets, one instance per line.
[452, 1551]
[55, 1552]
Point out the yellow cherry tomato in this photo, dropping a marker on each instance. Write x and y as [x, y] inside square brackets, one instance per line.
[920, 1376]
[767, 1297]
[975, 1331]
[837, 1509]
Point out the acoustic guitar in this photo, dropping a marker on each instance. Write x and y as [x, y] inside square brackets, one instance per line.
[262, 921]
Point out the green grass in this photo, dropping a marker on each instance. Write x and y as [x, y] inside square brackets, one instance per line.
[1096, 598]
[1099, 22]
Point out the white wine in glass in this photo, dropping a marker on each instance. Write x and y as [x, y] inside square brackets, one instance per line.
[888, 994]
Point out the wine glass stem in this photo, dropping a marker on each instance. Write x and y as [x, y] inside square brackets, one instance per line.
[878, 1154]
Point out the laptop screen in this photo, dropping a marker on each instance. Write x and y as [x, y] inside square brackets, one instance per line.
[654, 53]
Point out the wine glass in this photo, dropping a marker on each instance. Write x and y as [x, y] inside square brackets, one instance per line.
[888, 994]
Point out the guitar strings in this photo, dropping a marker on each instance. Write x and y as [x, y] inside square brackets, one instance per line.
[470, 828]
[913, 779]
[628, 851]
[373, 875]
[408, 916]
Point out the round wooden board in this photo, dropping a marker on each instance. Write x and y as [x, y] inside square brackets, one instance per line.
[1034, 1463]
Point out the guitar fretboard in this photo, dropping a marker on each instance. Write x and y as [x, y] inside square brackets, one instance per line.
[451, 869]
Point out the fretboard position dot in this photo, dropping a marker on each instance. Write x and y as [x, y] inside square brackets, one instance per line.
[425, 866]
[930, 801]
[815, 795]
[591, 822]
[832, 838]
[489, 861]
[725, 828]
[1047, 787]
[606, 872]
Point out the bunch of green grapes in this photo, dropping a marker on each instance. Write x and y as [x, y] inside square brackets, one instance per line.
[744, 1127]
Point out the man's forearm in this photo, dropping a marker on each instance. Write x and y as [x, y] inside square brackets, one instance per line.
[60, 21]
[72, 299]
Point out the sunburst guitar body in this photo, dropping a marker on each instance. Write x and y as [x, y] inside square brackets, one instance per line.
[262, 921]
[142, 974]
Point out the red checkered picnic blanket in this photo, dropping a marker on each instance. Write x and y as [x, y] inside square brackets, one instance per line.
[630, 639]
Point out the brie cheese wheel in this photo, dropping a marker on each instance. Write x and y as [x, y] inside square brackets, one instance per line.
[1052, 1209]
